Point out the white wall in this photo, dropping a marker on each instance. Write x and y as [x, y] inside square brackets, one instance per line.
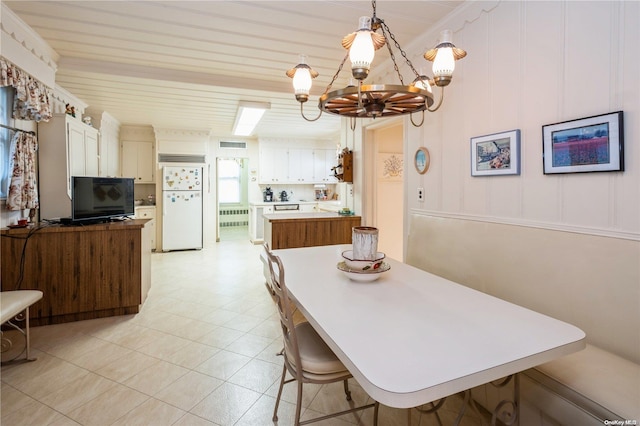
[531, 64]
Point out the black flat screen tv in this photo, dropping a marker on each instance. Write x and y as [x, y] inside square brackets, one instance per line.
[101, 199]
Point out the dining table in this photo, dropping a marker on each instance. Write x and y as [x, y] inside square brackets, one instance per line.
[410, 337]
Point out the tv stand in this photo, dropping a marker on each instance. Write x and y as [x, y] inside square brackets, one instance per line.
[85, 272]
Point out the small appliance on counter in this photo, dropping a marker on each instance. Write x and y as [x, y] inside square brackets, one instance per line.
[284, 196]
[268, 194]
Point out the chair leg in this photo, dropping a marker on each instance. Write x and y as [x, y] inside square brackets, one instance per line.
[275, 410]
[346, 389]
[298, 403]
[375, 413]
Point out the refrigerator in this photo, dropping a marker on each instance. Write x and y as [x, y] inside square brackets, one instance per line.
[181, 208]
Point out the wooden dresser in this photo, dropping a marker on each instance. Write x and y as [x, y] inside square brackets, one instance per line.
[85, 272]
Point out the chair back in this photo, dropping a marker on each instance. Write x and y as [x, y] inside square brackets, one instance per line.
[281, 297]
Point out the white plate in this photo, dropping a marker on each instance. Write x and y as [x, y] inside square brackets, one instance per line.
[362, 276]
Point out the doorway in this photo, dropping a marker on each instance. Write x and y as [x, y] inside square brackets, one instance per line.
[232, 195]
[385, 185]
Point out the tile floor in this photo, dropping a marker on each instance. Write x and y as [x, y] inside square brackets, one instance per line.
[200, 352]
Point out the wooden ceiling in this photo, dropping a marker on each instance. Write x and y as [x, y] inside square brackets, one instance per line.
[187, 64]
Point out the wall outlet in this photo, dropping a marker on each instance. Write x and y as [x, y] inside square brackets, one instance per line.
[420, 194]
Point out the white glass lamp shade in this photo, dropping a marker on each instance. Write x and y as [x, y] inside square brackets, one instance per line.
[444, 64]
[302, 81]
[362, 50]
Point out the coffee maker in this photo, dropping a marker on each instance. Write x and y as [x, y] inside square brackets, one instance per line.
[268, 194]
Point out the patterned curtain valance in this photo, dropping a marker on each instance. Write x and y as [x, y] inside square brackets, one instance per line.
[32, 100]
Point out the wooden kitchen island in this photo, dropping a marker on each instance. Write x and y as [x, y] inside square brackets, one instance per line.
[85, 272]
[290, 230]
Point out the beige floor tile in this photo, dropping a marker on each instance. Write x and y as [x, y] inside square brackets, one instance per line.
[152, 412]
[155, 378]
[108, 407]
[261, 413]
[269, 328]
[290, 391]
[192, 355]
[78, 392]
[188, 390]
[257, 375]
[249, 345]
[164, 346]
[226, 404]
[63, 421]
[122, 370]
[220, 337]
[331, 398]
[50, 381]
[104, 353]
[34, 413]
[223, 364]
[270, 353]
[193, 420]
[135, 336]
[243, 322]
[12, 400]
[219, 316]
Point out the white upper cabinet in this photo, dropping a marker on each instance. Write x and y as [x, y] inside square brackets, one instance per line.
[280, 165]
[67, 147]
[138, 161]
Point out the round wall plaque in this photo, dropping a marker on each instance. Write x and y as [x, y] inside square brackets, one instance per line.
[422, 160]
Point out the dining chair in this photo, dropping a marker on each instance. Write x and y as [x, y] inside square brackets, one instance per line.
[306, 356]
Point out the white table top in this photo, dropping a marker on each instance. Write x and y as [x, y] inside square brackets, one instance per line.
[412, 337]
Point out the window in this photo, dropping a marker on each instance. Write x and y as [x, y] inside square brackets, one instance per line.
[229, 181]
[6, 106]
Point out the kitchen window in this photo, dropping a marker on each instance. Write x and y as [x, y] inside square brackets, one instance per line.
[229, 191]
[6, 105]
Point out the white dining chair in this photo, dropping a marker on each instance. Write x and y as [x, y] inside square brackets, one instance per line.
[306, 356]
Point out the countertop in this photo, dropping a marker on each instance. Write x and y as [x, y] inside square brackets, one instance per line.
[271, 203]
[306, 216]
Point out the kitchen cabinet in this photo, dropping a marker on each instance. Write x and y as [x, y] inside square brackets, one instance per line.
[138, 161]
[256, 222]
[297, 165]
[323, 161]
[85, 272]
[67, 147]
[301, 165]
[274, 165]
[148, 212]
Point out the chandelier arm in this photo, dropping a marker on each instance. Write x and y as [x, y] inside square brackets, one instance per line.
[352, 124]
[439, 102]
[303, 116]
[402, 52]
[414, 124]
[335, 76]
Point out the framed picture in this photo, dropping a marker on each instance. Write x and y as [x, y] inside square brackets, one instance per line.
[592, 144]
[390, 167]
[422, 160]
[496, 154]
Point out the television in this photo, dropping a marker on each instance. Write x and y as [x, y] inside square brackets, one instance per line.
[101, 199]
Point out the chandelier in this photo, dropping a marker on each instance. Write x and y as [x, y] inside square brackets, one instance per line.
[362, 100]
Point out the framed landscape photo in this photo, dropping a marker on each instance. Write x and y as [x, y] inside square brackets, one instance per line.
[496, 154]
[591, 144]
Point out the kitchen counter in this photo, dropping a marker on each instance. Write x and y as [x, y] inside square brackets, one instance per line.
[301, 215]
[289, 230]
[84, 271]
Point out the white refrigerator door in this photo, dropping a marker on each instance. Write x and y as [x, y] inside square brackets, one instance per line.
[176, 178]
[181, 220]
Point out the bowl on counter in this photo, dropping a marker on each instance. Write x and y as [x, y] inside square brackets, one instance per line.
[362, 265]
[138, 203]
